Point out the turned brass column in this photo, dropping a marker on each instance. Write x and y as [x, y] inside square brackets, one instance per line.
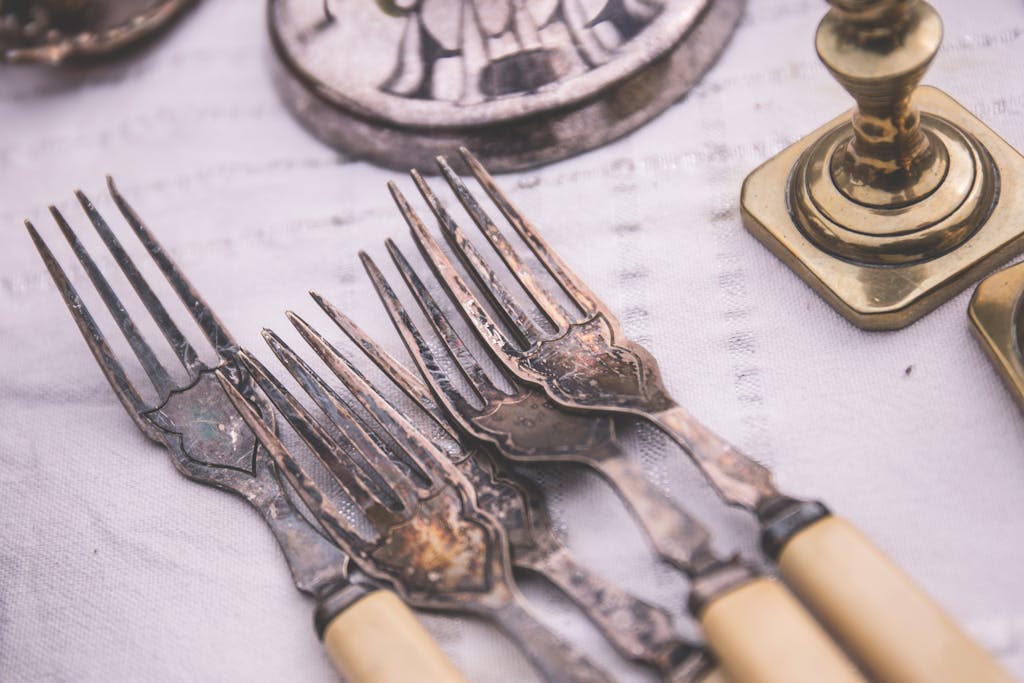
[895, 207]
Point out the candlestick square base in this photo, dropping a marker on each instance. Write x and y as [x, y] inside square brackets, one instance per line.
[885, 297]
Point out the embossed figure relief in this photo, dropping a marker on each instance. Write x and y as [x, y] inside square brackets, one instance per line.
[477, 50]
[521, 82]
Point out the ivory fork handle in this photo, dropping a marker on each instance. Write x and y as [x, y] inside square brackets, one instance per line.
[899, 633]
[761, 634]
[377, 639]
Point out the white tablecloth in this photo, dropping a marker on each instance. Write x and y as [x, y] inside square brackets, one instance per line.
[112, 567]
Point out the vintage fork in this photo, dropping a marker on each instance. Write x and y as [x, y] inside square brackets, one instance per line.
[587, 363]
[756, 628]
[638, 631]
[429, 540]
[209, 443]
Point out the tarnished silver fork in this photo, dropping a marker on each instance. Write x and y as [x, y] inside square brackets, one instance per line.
[751, 622]
[638, 630]
[429, 540]
[210, 443]
[587, 363]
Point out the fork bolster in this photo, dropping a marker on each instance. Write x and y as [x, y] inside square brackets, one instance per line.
[336, 602]
[376, 638]
[782, 518]
[716, 580]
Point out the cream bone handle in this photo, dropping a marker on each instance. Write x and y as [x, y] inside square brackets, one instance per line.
[897, 632]
[371, 636]
[760, 633]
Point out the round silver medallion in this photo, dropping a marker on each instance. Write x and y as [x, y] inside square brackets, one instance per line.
[55, 31]
[521, 82]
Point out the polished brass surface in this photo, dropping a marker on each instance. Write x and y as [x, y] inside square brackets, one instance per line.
[888, 212]
[997, 313]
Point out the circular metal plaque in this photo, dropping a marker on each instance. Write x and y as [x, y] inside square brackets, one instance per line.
[520, 82]
[55, 31]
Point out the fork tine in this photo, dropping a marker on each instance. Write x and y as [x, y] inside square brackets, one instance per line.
[588, 302]
[417, 446]
[396, 372]
[423, 355]
[324, 511]
[551, 307]
[186, 354]
[524, 327]
[143, 351]
[208, 322]
[367, 453]
[326, 449]
[469, 366]
[112, 369]
[460, 293]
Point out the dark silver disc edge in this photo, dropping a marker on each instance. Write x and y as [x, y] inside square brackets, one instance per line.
[533, 140]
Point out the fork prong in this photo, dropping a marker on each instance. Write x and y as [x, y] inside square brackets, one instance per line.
[367, 452]
[396, 372]
[143, 351]
[588, 302]
[324, 511]
[468, 364]
[490, 284]
[182, 349]
[417, 446]
[455, 403]
[112, 369]
[323, 445]
[550, 306]
[208, 322]
[459, 292]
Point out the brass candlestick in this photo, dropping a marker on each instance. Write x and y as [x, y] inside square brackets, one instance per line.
[888, 212]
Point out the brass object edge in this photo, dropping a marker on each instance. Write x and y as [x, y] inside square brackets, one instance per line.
[994, 311]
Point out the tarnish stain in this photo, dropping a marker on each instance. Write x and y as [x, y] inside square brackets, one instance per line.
[586, 366]
[209, 427]
[437, 550]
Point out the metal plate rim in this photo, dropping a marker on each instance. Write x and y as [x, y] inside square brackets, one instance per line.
[401, 148]
[579, 91]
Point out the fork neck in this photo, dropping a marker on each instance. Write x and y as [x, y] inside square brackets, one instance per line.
[315, 563]
[738, 479]
[556, 660]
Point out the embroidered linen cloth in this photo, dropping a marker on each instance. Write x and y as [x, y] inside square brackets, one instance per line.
[114, 567]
